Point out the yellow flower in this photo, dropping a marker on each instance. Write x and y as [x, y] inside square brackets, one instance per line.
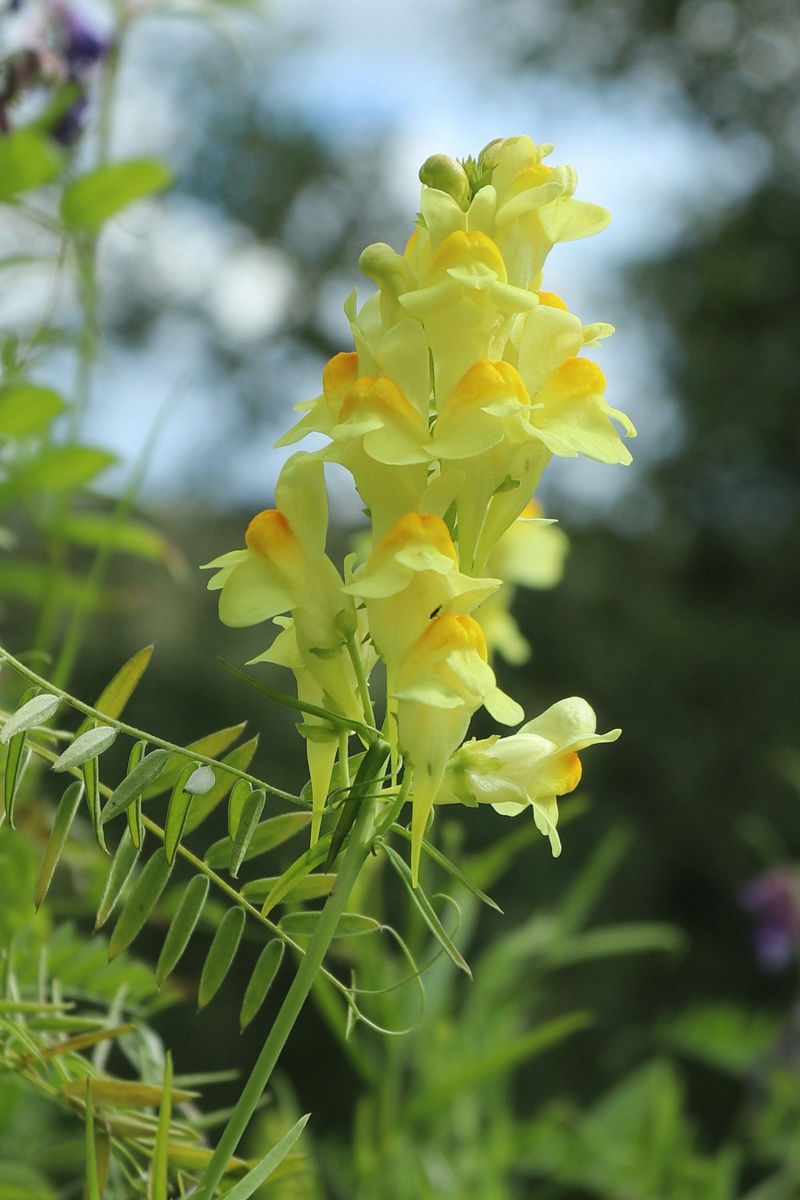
[529, 769]
[284, 568]
[444, 678]
[530, 553]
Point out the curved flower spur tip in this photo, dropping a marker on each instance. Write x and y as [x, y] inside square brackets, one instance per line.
[572, 416]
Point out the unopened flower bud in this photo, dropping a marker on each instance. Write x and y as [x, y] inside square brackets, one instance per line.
[447, 175]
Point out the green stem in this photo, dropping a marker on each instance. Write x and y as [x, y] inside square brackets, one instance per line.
[354, 858]
[141, 734]
[361, 679]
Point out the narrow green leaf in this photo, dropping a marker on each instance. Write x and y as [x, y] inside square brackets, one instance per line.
[92, 1179]
[135, 822]
[91, 783]
[177, 813]
[451, 868]
[36, 711]
[267, 967]
[118, 874]
[87, 746]
[437, 1098]
[311, 887]
[32, 581]
[116, 694]
[212, 745]
[159, 1181]
[303, 924]
[336, 719]
[141, 902]
[121, 1093]
[253, 808]
[26, 408]
[17, 759]
[182, 926]
[266, 836]
[64, 468]
[301, 867]
[27, 161]
[426, 909]
[246, 1187]
[65, 815]
[239, 758]
[108, 531]
[220, 955]
[90, 200]
[239, 793]
[133, 785]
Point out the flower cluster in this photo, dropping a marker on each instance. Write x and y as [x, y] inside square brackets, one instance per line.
[465, 380]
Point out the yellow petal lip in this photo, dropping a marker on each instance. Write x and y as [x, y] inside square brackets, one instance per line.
[380, 395]
[468, 249]
[338, 376]
[271, 535]
[485, 383]
[551, 300]
[575, 377]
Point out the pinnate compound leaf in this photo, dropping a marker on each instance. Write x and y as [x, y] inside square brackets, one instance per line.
[209, 746]
[141, 902]
[26, 408]
[134, 784]
[239, 758]
[91, 782]
[298, 871]
[36, 711]
[177, 812]
[118, 875]
[65, 815]
[220, 955]
[253, 808]
[266, 836]
[267, 967]
[86, 746]
[246, 1187]
[426, 910]
[17, 759]
[182, 926]
[27, 160]
[91, 199]
[309, 887]
[239, 793]
[116, 694]
[303, 924]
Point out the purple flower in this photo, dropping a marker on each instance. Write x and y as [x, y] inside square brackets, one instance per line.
[774, 901]
[82, 45]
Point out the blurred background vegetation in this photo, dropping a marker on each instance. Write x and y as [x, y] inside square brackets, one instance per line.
[678, 616]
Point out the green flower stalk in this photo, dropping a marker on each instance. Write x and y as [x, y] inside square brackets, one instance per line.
[465, 380]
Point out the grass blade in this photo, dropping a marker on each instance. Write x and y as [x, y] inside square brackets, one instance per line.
[426, 910]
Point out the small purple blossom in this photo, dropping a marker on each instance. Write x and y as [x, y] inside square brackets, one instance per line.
[773, 899]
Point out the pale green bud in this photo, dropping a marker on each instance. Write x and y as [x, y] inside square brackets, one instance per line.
[447, 175]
